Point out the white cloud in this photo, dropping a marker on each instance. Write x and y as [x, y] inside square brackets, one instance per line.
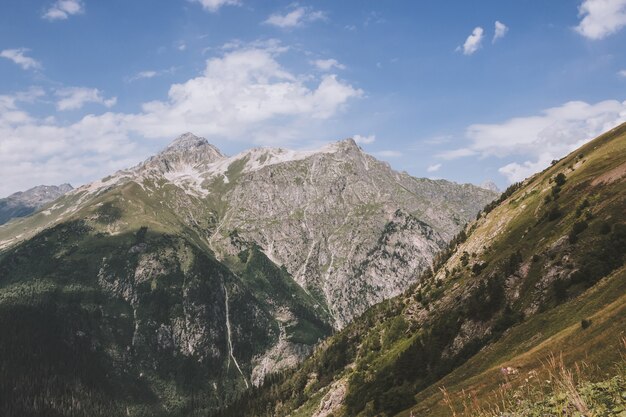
[433, 168]
[500, 31]
[473, 41]
[143, 75]
[243, 88]
[328, 64]
[388, 154]
[540, 139]
[295, 18]
[515, 172]
[73, 98]
[147, 74]
[622, 73]
[62, 9]
[214, 5]
[244, 94]
[456, 153]
[18, 56]
[39, 150]
[364, 140]
[601, 18]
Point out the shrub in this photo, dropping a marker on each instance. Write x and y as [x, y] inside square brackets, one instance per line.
[585, 323]
[478, 267]
[582, 207]
[579, 227]
[554, 213]
[513, 263]
[464, 258]
[559, 289]
[560, 179]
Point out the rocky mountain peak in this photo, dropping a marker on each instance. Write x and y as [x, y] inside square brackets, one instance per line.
[348, 145]
[188, 150]
[490, 185]
[187, 140]
[26, 202]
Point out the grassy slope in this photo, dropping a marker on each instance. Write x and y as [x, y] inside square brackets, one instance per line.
[556, 331]
[529, 346]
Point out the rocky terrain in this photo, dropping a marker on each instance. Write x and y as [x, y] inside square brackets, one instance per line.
[23, 203]
[175, 285]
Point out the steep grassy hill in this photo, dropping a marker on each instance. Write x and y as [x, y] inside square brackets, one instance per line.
[533, 289]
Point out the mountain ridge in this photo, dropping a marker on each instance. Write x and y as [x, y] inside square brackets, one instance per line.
[23, 203]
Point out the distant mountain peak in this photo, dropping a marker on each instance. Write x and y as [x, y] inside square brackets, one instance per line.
[348, 143]
[184, 151]
[23, 203]
[490, 185]
[188, 140]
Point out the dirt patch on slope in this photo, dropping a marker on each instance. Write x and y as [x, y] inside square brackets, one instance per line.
[613, 175]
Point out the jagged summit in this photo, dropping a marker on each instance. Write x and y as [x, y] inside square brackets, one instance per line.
[187, 140]
[44, 190]
[490, 185]
[185, 152]
[348, 143]
[23, 203]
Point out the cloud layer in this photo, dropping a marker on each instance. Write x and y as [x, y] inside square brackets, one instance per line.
[601, 18]
[328, 64]
[473, 41]
[62, 9]
[500, 30]
[73, 98]
[542, 138]
[364, 140]
[214, 5]
[295, 18]
[18, 56]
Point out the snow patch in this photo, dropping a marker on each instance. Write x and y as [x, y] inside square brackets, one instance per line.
[258, 158]
[188, 178]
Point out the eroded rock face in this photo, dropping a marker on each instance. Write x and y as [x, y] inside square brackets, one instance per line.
[347, 227]
[283, 355]
[333, 400]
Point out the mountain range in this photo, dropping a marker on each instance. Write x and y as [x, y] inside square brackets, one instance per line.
[172, 287]
[23, 203]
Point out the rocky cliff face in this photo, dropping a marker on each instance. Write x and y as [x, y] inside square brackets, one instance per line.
[26, 202]
[322, 214]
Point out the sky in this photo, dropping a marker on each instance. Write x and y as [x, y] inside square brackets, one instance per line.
[463, 90]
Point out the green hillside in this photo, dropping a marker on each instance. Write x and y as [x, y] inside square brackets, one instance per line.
[536, 285]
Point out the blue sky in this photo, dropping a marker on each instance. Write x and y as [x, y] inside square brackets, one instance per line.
[89, 87]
